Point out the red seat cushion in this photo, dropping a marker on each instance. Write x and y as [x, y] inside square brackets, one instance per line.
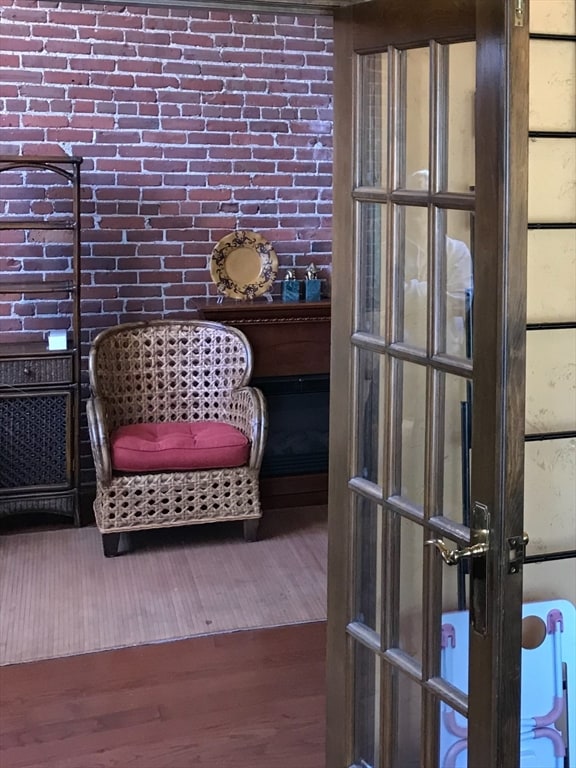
[163, 446]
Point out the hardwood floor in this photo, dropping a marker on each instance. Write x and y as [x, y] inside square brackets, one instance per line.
[252, 699]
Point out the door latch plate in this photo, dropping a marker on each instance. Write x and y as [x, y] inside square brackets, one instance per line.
[516, 552]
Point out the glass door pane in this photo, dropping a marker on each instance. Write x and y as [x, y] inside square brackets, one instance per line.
[373, 126]
[415, 65]
[371, 283]
[413, 260]
[461, 86]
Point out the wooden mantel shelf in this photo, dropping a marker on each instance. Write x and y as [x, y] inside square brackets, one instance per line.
[261, 308]
[287, 338]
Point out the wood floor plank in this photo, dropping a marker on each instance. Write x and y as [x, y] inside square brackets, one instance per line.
[208, 689]
[252, 699]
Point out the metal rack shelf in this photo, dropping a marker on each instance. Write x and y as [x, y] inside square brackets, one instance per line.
[23, 286]
[38, 224]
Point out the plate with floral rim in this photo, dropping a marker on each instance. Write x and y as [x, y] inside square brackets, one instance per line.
[243, 265]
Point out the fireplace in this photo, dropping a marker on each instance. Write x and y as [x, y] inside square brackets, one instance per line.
[291, 346]
[298, 417]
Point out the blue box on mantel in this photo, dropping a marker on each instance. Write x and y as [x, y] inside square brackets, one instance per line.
[312, 289]
[291, 290]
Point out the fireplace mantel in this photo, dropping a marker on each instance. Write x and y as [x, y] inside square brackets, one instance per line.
[288, 339]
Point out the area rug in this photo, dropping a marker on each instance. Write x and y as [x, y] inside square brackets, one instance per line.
[59, 596]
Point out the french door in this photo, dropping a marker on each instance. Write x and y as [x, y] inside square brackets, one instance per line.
[427, 428]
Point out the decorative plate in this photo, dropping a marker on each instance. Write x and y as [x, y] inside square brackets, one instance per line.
[243, 265]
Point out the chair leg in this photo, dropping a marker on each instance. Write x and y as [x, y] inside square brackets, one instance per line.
[251, 529]
[110, 544]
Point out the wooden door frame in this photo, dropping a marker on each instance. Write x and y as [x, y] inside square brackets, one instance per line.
[501, 176]
[339, 734]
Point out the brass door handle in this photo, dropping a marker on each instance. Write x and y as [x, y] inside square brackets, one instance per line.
[453, 556]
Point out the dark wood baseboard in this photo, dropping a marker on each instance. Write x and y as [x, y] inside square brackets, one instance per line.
[296, 491]
[252, 699]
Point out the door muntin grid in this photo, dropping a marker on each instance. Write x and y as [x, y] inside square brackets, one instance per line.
[410, 361]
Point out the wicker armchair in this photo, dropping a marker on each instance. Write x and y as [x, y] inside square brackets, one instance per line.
[173, 376]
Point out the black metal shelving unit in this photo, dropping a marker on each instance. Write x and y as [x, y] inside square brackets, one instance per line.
[40, 387]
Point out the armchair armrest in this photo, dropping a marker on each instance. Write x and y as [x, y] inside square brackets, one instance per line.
[99, 439]
[247, 411]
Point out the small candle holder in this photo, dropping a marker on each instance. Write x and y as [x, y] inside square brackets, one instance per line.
[312, 284]
[313, 289]
[290, 287]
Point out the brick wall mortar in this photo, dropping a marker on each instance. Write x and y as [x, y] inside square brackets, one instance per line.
[191, 124]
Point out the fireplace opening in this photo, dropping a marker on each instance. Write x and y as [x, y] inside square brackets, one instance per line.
[298, 418]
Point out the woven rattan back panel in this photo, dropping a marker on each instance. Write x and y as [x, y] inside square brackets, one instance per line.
[35, 440]
[168, 371]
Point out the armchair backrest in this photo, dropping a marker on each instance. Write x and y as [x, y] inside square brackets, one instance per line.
[168, 370]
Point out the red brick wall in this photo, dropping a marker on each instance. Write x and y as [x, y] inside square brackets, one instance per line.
[191, 124]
